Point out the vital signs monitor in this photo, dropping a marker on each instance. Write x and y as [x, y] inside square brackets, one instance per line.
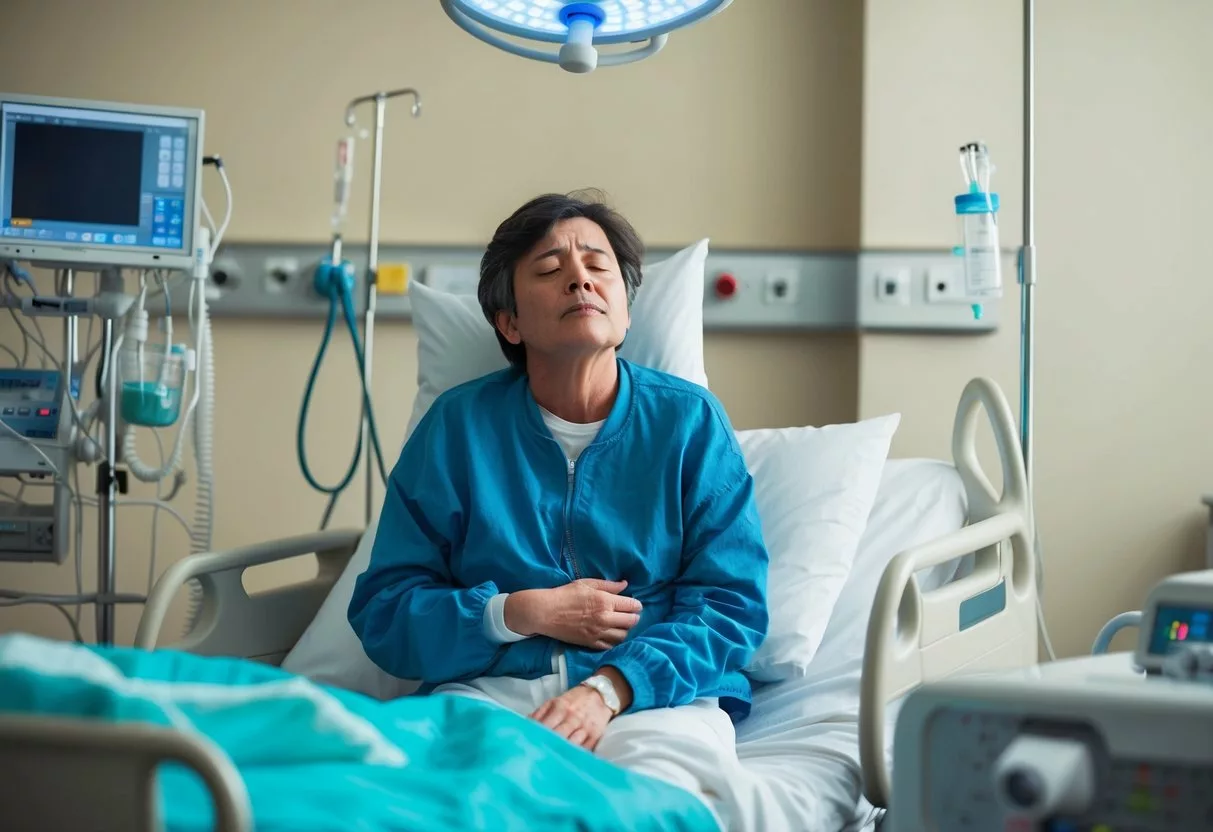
[96, 184]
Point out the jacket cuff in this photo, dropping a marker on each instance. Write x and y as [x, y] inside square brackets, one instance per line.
[494, 621]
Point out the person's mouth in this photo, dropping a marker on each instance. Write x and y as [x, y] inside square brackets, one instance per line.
[584, 309]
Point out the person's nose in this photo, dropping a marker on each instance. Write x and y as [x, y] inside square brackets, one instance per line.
[580, 281]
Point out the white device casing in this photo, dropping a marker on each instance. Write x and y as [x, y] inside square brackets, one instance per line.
[1188, 589]
[950, 735]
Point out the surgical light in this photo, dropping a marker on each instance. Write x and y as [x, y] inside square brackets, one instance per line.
[579, 27]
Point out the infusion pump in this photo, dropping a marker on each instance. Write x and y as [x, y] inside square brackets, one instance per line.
[35, 447]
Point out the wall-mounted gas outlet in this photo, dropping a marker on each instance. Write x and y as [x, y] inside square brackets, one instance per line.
[281, 273]
[945, 284]
[893, 286]
[780, 286]
[225, 274]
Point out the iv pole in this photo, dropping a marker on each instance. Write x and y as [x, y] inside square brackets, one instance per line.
[1027, 303]
[372, 267]
[1027, 264]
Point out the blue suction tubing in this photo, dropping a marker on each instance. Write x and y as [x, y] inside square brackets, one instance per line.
[340, 292]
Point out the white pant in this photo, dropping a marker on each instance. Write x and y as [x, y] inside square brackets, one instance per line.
[693, 746]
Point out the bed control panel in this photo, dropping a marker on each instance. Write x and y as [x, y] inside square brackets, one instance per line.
[1036, 756]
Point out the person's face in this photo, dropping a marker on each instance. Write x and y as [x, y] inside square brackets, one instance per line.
[570, 294]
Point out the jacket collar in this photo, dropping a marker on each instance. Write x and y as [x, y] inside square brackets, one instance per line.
[612, 428]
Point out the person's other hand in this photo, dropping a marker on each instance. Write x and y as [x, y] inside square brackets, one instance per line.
[580, 715]
[588, 613]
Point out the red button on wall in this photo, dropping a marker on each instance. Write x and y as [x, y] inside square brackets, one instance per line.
[726, 286]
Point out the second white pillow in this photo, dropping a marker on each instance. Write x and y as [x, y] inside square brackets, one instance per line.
[814, 488]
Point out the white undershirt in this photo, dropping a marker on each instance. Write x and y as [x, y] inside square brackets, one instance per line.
[573, 438]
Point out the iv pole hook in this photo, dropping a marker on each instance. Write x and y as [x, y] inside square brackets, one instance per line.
[380, 97]
[380, 100]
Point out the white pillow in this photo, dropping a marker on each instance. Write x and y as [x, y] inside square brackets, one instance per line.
[814, 488]
[918, 500]
[456, 344]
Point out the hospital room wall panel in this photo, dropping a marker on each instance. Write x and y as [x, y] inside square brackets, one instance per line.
[746, 129]
[1123, 344]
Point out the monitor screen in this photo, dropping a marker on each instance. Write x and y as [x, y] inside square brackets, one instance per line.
[98, 182]
[1177, 625]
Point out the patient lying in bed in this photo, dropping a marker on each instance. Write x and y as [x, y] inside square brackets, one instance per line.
[575, 538]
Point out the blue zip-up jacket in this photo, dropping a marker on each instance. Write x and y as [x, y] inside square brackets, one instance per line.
[483, 500]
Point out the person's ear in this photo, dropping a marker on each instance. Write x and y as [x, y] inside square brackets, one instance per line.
[508, 328]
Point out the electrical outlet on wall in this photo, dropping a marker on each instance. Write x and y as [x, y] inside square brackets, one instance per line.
[225, 274]
[780, 286]
[893, 286]
[945, 284]
[281, 273]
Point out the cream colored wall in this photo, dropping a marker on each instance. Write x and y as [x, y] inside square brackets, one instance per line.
[1124, 108]
[746, 129]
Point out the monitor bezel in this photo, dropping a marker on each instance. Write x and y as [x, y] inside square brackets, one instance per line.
[60, 254]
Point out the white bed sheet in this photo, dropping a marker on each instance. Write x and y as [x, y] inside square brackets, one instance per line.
[801, 741]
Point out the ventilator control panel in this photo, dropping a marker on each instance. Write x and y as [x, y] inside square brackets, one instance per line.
[29, 402]
[986, 770]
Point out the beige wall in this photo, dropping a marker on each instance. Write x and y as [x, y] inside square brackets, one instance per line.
[746, 129]
[1124, 106]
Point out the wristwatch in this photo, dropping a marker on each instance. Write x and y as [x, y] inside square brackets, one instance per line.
[606, 689]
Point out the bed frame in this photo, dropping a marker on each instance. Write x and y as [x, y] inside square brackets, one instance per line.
[984, 621]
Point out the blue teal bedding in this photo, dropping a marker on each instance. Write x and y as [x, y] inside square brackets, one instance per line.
[319, 758]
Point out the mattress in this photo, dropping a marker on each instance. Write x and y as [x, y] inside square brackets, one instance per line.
[800, 745]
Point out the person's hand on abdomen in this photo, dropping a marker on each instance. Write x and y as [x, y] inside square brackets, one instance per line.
[588, 613]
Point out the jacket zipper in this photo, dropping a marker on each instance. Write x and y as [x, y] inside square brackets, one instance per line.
[568, 525]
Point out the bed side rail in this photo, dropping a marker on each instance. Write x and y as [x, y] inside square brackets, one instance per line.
[230, 621]
[75, 774]
[983, 622]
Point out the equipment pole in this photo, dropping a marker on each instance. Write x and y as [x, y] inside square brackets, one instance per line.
[107, 495]
[372, 300]
[1027, 265]
[380, 100]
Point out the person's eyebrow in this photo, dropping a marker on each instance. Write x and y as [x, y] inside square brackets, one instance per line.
[562, 249]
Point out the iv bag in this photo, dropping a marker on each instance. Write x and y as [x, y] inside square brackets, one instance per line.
[978, 214]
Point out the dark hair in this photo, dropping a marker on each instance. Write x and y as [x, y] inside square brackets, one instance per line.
[530, 224]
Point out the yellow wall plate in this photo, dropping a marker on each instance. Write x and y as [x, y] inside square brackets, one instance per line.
[393, 278]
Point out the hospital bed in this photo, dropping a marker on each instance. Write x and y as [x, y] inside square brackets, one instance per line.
[944, 584]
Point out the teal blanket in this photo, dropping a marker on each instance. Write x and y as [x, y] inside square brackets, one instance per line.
[319, 758]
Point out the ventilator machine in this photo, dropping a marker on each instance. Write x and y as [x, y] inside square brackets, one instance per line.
[1099, 744]
[99, 189]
